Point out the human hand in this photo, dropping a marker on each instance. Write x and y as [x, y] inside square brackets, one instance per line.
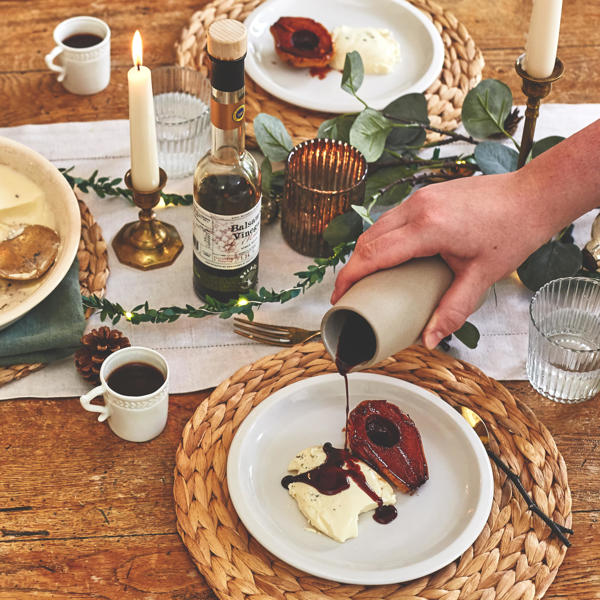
[483, 227]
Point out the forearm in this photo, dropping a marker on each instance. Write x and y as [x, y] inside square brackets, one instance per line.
[563, 183]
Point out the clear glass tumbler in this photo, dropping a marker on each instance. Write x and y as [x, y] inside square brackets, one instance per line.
[563, 361]
[323, 178]
[182, 112]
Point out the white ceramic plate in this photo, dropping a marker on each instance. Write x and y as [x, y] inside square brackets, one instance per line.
[421, 51]
[434, 526]
[63, 206]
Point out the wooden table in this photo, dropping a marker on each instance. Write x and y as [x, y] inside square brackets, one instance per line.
[84, 514]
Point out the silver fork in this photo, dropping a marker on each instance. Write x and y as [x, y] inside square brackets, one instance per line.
[276, 335]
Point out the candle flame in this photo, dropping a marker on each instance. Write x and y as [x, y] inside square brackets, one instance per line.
[136, 49]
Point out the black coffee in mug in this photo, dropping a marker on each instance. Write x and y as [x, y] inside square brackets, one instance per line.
[135, 379]
[82, 40]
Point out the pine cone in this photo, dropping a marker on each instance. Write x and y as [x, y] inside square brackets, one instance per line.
[96, 346]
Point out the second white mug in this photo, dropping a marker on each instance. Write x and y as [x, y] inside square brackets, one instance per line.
[82, 55]
[133, 417]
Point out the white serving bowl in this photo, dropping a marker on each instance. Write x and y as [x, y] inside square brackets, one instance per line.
[63, 204]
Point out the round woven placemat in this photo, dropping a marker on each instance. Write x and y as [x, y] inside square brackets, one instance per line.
[513, 558]
[93, 273]
[463, 63]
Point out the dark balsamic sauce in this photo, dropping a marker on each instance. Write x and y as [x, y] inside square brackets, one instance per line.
[331, 478]
[320, 72]
[356, 345]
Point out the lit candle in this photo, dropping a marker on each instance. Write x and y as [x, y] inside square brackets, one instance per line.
[142, 129]
[542, 41]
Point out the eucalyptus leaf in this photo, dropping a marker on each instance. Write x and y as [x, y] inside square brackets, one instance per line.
[486, 107]
[468, 334]
[337, 128]
[369, 133]
[384, 177]
[545, 144]
[550, 261]
[343, 228]
[353, 74]
[363, 213]
[411, 108]
[492, 157]
[272, 137]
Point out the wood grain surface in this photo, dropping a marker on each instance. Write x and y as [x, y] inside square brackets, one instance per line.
[85, 515]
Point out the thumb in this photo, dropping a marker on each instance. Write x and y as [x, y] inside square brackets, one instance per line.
[456, 305]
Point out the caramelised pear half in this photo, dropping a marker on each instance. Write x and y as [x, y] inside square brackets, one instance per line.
[30, 254]
[388, 440]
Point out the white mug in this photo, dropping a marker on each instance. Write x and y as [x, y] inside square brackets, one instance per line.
[133, 418]
[81, 70]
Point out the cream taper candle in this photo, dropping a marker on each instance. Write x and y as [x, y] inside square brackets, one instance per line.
[142, 129]
[542, 41]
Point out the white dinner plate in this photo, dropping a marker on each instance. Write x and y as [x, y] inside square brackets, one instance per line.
[421, 53]
[434, 526]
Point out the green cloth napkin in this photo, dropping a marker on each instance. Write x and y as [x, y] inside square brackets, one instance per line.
[49, 331]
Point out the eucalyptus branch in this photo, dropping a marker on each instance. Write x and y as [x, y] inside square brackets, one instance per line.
[452, 136]
[423, 179]
[105, 186]
[244, 304]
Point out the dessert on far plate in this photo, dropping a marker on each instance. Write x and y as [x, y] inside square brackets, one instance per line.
[302, 42]
[378, 49]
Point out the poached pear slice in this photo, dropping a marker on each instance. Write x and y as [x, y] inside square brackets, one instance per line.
[30, 254]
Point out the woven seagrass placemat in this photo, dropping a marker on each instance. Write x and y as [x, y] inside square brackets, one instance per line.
[93, 273]
[512, 559]
[463, 63]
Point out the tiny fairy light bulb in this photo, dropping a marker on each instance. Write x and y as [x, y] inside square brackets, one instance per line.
[242, 301]
[128, 315]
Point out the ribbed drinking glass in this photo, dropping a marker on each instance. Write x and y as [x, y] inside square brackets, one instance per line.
[563, 361]
[182, 110]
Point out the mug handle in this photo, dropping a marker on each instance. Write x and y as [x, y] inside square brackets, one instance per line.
[86, 399]
[49, 58]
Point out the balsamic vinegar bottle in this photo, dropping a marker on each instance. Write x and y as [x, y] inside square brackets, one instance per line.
[227, 196]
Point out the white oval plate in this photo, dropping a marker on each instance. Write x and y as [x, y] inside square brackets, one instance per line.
[421, 53]
[434, 526]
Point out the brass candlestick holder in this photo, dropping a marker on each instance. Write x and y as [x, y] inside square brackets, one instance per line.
[147, 243]
[535, 89]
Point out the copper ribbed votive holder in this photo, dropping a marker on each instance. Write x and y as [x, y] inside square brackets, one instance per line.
[323, 179]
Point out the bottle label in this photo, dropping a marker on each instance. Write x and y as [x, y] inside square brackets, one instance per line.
[227, 116]
[226, 241]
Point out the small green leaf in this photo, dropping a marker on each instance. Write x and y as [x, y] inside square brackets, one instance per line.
[486, 107]
[550, 261]
[411, 108]
[384, 177]
[493, 157]
[363, 213]
[468, 334]
[337, 128]
[353, 74]
[369, 133]
[545, 144]
[272, 137]
[343, 228]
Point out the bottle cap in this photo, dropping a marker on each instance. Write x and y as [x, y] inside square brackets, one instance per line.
[227, 39]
